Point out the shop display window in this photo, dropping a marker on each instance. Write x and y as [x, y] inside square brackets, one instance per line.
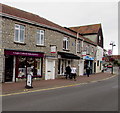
[22, 67]
[29, 65]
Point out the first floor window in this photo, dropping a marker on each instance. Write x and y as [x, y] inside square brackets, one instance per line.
[19, 33]
[65, 43]
[78, 46]
[40, 37]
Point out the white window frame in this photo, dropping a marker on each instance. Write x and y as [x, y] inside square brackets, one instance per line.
[99, 39]
[79, 46]
[87, 51]
[40, 35]
[19, 28]
[66, 42]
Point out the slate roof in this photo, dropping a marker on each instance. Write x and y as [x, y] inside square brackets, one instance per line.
[87, 29]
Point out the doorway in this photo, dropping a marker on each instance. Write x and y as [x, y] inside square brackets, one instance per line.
[8, 68]
[50, 69]
[95, 67]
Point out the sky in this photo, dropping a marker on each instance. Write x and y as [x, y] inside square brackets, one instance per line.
[69, 13]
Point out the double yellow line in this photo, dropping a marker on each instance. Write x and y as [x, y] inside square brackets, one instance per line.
[30, 91]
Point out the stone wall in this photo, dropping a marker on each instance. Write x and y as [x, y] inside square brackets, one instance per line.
[51, 38]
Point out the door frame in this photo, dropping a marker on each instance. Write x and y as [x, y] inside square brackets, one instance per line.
[53, 60]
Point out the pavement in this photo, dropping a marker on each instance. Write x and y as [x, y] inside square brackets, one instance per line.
[17, 87]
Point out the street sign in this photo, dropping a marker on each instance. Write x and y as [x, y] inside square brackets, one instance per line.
[84, 53]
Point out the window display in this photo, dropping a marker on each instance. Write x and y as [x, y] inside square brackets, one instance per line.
[29, 65]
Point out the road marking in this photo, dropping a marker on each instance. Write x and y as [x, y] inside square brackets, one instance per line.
[71, 85]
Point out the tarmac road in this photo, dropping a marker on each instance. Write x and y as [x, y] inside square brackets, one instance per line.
[98, 96]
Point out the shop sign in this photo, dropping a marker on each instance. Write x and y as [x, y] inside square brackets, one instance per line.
[88, 58]
[53, 48]
[84, 53]
[21, 53]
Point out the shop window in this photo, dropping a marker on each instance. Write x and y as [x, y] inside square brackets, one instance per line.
[19, 33]
[65, 43]
[29, 65]
[62, 64]
[22, 67]
[40, 37]
[98, 63]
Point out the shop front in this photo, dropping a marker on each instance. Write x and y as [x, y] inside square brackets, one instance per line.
[18, 64]
[88, 61]
[65, 59]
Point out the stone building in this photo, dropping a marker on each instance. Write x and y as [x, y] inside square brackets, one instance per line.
[95, 34]
[30, 44]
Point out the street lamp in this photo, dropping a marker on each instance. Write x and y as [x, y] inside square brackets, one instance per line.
[112, 44]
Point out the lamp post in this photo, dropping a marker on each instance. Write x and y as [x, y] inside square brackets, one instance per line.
[112, 44]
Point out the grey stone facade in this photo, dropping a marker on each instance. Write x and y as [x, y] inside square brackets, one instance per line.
[51, 38]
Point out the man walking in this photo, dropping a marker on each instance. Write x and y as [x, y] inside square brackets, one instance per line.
[88, 71]
[73, 73]
[68, 71]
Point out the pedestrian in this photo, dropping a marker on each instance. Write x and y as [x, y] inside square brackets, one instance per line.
[73, 72]
[68, 71]
[88, 71]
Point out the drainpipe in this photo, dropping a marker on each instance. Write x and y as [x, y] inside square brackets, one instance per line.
[77, 41]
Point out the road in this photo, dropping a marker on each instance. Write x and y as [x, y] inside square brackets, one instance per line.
[97, 96]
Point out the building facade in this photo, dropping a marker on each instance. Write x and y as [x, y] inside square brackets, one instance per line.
[33, 45]
[95, 34]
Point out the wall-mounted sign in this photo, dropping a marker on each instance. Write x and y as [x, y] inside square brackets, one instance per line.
[84, 53]
[53, 48]
[23, 53]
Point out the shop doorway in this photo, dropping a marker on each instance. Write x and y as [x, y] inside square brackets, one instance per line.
[50, 69]
[8, 68]
[95, 67]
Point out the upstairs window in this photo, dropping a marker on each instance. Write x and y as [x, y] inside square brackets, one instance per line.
[87, 50]
[78, 46]
[65, 43]
[40, 37]
[19, 33]
[99, 39]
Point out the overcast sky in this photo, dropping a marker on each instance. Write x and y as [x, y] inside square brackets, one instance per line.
[68, 13]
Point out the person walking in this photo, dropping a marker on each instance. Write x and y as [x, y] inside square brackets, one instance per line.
[68, 71]
[88, 71]
[73, 72]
